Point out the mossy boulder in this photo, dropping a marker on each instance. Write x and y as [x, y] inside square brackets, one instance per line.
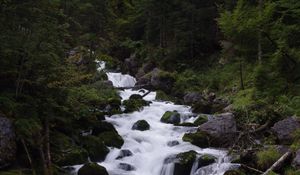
[162, 80]
[103, 126]
[185, 162]
[66, 152]
[171, 117]
[92, 169]
[186, 124]
[113, 106]
[95, 147]
[201, 119]
[141, 125]
[135, 103]
[73, 156]
[112, 139]
[199, 138]
[206, 160]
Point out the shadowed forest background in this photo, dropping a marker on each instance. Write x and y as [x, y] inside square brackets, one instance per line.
[246, 52]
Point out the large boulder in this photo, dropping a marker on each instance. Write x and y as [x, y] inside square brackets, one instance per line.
[141, 125]
[171, 117]
[285, 129]
[162, 80]
[192, 98]
[296, 160]
[95, 147]
[221, 129]
[92, 169]
[131, 65]
[135, 103]
[7, 142]
[112, 139]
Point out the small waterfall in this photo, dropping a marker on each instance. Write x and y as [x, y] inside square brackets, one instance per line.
[121, 80]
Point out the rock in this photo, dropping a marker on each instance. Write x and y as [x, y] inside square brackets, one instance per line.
[135, 103]
[221, 129]
[201, 120]
[171, 117]
[284, 129]
[173, 143]
[74, 156]
[202, 106]
[112, 139]
[124, 153]
[101, 127]
[192, 98]
[162, 80]
[95, 147]
[186, 124]
[131, 65]
[200, 139]
[135, 97]
[92, 169]
[126, 167]
[206, 160]
[184, 162]
[141, 125]
[296, 160]
[7, 142]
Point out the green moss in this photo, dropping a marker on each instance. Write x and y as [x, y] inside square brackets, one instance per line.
[161, 95]
[73, 156]
[141, 125]
[206, 160]
[112, 139]
[95, 147]
[187, 157]
[266, 158]
[199, 138]
[200, 120]
[171, 117]
[92, 169]
[186, 124]
[132, 105]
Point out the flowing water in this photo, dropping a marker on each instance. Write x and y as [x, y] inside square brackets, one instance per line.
[150, 148]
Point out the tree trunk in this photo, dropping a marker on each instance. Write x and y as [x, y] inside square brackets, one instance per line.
[241, 75]
[47, 147]
[259, 47]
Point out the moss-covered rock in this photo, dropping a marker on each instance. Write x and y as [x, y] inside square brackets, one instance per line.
[198, 138]
[185, 162]
[171, 117]
[266, 157]
[141, 125]
[186, 124]
[112, 139]
[134, 103]
[95, 147]
[92, 169]
[65, 152]
[200, 120]
[73, 156]
[162, 96]
[162, 80]
[206, 160]
[103, 126]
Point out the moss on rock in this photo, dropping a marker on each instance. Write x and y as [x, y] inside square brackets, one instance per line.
[92, 169]
[198, 138]
[206, 160]
[200, 120]
[134, 104]
[171, 117]
[112, 139]
[141, 125]
[95, 147]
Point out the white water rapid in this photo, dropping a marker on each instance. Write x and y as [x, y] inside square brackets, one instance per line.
[150, 148]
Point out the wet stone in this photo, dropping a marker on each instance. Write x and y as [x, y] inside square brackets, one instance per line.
[126, 167]
[124, 153]
[173, 143]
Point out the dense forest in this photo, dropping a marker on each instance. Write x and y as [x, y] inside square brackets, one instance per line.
[237, 56]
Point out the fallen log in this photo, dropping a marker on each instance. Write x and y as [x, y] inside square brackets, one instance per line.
[278, 164]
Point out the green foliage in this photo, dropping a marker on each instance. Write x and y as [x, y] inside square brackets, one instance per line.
[266, 158]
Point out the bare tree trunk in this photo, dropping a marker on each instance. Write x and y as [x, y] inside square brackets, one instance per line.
[41, 149]
[28, 156]
[47, 147]
[20, 73]
[241, 75]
